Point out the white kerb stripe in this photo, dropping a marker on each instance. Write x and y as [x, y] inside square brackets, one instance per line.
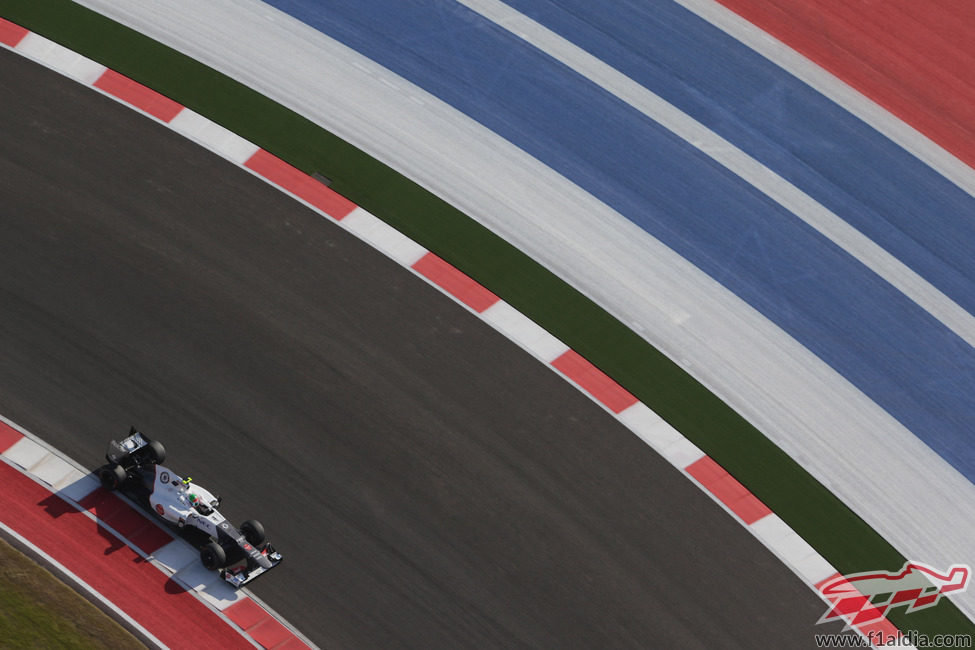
[793, 550]
[649, 427]
[26, 453]
[61, 59]
[383, 237]
[53, 470]
[208, 585]
[78, 489]
[175, 556]
[524, 331]
[70, 479]
[681, 453]
[213, 136]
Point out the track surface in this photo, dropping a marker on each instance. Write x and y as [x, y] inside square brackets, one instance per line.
[430, 484]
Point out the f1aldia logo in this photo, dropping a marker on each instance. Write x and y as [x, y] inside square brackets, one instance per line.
[860, 598]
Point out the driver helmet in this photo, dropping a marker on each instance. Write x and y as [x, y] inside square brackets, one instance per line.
[194, 500]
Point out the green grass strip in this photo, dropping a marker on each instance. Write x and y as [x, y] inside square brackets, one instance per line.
[811, 510]
[39, 611]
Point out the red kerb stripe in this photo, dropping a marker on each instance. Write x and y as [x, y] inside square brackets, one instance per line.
[140, 96]
[263, 628]
[594, 381]
[11, 34]
[300, 184]
[8, 437]
[457, 284]
[270, 633]
[245, 613]
[728, 490]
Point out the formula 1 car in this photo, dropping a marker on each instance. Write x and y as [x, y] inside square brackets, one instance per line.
[134, 468]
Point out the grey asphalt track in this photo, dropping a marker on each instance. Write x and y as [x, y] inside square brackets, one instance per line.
[430, 484]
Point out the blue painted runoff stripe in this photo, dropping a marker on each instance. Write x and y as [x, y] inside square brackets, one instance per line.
[886, 193]
[895, 352]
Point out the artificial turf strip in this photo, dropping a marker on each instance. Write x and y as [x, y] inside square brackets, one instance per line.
[811, 510]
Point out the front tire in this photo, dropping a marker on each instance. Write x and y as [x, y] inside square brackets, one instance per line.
[213, 556]
[112, 477]
[253, 532]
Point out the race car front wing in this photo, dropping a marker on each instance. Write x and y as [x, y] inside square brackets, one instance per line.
[242, 572]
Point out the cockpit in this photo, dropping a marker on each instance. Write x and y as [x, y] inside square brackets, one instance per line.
[199, 505]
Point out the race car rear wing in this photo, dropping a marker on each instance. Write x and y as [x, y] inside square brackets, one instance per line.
[119, 451]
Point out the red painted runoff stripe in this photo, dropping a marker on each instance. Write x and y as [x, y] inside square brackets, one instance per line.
[104, 562]
[10, 33]
[455, 282]
[728, 490]
[129, 523]
[143, 98]
[594, 381]
[300, 184]
[8, 437]
[270, 633]
[913, 58]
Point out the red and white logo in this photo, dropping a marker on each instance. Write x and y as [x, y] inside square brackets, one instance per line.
[160, 510]
[860, 598]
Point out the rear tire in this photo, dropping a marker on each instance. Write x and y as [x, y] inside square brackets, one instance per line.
[112, 477]
[253, 532]
[155, 452]
[213, 556]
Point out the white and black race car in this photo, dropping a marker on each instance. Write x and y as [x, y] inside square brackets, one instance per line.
[134, 468]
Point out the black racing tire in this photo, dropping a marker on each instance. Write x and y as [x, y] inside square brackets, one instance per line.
[213, 556]
[253, 532]
[155, 452]
[112, 477]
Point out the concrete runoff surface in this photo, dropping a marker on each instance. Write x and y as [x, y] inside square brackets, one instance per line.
[430, 484]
